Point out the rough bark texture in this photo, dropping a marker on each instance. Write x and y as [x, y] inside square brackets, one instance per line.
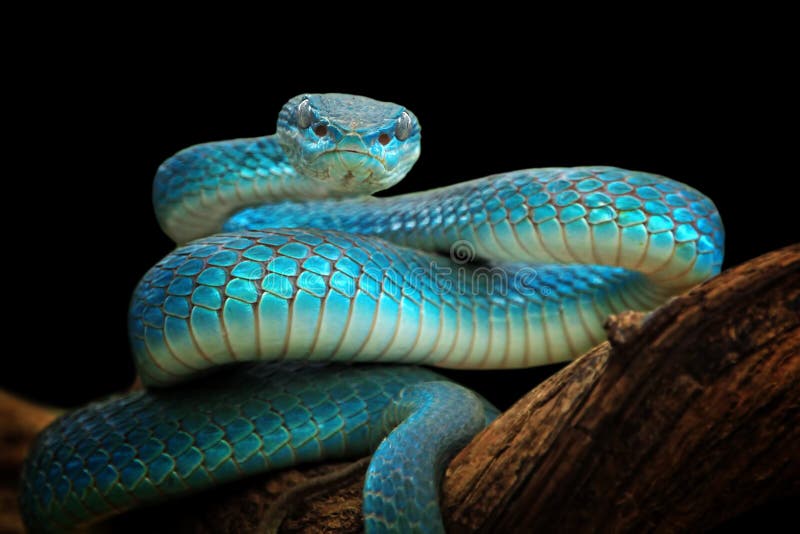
[675, 425]
[689, 416]
[20, 422]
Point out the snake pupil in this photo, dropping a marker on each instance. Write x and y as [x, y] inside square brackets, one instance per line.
[384, 139]
[321, 130]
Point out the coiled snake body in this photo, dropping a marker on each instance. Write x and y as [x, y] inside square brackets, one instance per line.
[512, 270]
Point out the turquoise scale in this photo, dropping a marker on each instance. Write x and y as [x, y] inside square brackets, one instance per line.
[303, 284]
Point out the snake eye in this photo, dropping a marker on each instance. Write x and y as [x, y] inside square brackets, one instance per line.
[403, 129]
[304, 115]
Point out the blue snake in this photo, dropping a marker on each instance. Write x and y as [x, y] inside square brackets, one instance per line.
[286, 265]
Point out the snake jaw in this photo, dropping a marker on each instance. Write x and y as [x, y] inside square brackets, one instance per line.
[349, 170]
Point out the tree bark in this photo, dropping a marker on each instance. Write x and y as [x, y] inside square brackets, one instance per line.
[20, 422]
[681, 421]
[687, 417]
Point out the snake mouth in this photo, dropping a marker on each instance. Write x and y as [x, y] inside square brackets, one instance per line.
[349, 169]
[344, 153]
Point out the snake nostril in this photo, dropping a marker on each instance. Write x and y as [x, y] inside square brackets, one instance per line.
[384, 139]
[321, 130]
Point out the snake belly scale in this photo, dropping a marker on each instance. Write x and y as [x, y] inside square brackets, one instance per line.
[287, 267]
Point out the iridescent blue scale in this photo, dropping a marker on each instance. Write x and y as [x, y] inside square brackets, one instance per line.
[507, 271]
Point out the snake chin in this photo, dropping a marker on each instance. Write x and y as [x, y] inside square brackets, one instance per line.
[351, 171]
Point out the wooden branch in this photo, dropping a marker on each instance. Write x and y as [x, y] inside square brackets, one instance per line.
[689, 416]
[20, 422]
[681, 422]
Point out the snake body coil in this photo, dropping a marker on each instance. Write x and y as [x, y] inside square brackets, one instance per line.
[512, 270]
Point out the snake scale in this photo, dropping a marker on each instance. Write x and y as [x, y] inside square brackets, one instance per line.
[286, 265]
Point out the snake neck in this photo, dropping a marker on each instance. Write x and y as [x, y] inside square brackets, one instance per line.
[198, 188]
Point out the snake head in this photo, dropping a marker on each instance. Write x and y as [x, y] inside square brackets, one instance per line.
[354, 144]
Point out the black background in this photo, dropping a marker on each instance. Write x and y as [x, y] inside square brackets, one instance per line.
[95, 131]
[95, 143]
